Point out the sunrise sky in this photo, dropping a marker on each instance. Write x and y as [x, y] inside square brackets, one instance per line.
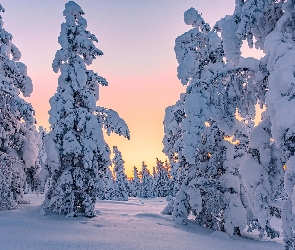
[137, 38]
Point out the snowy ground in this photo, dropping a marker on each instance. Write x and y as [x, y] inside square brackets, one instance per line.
[136, 224]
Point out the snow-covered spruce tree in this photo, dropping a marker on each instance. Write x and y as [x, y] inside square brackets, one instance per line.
[192, 51]
[154, 182]
[134, 184]
[18, 135]
[216, 90]
[146, 182]
[280, 50]
[238, 88]
[271, 23]
[279, 47]
[109, 183]
[77, 153]
[255, 18]
[162, 182]
[121, 182]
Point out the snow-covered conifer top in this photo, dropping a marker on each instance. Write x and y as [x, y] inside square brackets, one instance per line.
[72, 8]
[75, 41]
[192, 17]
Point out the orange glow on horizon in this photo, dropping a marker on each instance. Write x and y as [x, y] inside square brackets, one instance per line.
[143, 110]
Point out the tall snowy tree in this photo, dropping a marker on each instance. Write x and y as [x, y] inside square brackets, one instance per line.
[280, 50]
[77, 153]
[162, 181]
[154, 182]
[192, 51]
[121, 182]
[146, 182]
[18, 136]
[134, 184]
[227, 186]
[271, 24]
[217, 88]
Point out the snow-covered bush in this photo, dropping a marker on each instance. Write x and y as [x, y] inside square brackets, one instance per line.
[77, 153]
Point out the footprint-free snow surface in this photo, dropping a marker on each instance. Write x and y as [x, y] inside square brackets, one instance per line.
[135, 224]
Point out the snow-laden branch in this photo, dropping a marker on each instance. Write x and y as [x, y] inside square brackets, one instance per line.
[112, 122]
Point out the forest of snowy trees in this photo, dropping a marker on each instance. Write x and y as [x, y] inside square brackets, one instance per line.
[224, 172]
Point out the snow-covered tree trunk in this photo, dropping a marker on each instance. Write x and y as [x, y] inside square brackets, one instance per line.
[45, 174]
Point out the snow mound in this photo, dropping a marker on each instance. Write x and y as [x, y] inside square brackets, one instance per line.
[220, 235]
